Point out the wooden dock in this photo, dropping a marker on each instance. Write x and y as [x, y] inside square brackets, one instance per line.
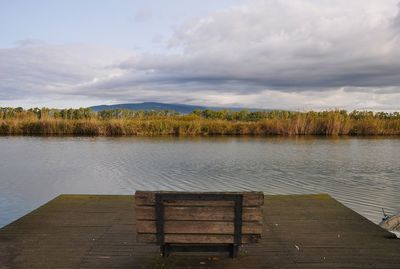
[96, 231]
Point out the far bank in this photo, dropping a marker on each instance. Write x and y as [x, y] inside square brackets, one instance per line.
[85, 122]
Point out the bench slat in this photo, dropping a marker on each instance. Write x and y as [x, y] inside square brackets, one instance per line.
[199, 213]
[198, 227]
[198, 238]
[249, 199]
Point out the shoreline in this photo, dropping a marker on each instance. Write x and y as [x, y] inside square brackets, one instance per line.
[342, 136]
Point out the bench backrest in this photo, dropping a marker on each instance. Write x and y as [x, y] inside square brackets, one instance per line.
[199, 217]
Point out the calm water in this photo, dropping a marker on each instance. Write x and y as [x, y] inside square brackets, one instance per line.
[362, 173]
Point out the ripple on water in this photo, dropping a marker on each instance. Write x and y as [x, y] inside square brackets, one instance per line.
[361, 173]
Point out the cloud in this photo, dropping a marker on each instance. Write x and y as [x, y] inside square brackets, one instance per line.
[37, 69]
[290, 45]
[301, 54]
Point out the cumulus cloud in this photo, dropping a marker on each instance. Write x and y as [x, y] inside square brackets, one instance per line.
[302, 54]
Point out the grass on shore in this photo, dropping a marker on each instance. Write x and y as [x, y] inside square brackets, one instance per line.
[84, 122]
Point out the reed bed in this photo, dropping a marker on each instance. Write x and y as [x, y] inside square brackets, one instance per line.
[84, 122]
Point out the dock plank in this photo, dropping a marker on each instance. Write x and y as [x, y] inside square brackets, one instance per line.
[99, 231]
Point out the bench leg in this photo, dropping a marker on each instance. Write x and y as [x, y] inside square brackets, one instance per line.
[233, 253]
[165, 251]
[162, 250]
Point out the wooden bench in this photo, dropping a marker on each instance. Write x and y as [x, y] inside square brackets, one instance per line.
[199, 221]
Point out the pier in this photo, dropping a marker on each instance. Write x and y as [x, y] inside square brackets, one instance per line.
[98, 231]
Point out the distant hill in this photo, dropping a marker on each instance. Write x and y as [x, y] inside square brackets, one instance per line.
[183, 109]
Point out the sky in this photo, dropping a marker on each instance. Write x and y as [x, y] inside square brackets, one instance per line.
[272, 54]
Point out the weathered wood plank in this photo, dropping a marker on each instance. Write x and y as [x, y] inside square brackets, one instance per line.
[249, 199]
[198, 238]
[199, 213]
[78, 231]
[198, 227]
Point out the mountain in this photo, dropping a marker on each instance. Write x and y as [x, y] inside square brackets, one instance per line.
[183, 109]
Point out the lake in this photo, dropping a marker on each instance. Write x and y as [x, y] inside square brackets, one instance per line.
[362, 173]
